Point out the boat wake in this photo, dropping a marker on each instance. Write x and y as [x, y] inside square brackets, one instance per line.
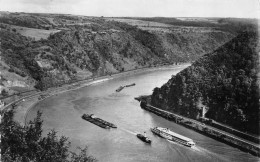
[195, 148]
[96, 82]
[175, 149]
[131, 132]
[202, 151]
[208, 153]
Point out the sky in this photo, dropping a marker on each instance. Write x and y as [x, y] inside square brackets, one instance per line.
[138, 8]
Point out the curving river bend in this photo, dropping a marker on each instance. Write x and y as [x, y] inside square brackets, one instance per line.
[63, 113]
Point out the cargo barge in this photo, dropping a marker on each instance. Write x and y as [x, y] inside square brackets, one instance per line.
[120, 89]
[130, 85]
[99, 122]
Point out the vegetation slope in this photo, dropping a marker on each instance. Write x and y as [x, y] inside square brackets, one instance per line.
[226, 81]
[80, 47]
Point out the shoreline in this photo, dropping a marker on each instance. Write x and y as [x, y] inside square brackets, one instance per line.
[34, 100]
[22, 116]
[206, 130]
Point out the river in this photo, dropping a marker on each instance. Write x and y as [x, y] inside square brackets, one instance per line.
[63, 113]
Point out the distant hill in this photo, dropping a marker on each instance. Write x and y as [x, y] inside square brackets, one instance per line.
[225, 81]
[233, 25]
[45, 50]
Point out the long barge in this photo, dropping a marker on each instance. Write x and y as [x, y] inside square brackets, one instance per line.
[99, 122]
[172, 136]
[120, 89]
[130, 85]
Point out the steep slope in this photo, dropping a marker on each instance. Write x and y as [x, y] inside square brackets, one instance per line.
[181, 43]
[74, 54]
[45, 50]
[225, 81]
[191, 45]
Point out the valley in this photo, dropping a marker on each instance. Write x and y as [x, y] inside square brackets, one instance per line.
[46, 50]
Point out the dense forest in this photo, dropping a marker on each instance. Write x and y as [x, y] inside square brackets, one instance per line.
[225, 81]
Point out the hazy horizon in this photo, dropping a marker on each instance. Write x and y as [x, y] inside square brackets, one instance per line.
[127, 16]
[138, 8]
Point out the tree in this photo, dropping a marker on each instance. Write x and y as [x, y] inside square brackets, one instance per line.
[26, 143]
[225, 81]
[82, 156]
[4, 92]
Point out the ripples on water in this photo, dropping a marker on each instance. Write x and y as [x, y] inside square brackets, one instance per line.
[63, 112]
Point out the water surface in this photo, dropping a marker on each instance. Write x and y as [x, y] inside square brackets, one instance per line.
[63, 112]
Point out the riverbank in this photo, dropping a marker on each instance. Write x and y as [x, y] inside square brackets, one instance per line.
[63, 113]
[25, 104]
[203, 129]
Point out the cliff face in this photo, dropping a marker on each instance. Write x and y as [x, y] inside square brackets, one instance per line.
[225, 81]
[79, 47]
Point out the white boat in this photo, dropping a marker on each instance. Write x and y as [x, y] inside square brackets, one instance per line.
[170, 135]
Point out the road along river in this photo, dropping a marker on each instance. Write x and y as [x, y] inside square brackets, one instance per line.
[63, 113]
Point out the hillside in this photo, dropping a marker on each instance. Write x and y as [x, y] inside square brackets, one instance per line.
[45, 50]
[232, 25]
[225, 81]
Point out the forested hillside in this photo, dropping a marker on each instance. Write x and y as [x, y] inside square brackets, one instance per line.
[226, 81]
[45, 50]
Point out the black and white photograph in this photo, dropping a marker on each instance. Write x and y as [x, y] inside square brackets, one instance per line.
[129, 81]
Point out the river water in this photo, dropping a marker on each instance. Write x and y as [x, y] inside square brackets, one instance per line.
[63, 113]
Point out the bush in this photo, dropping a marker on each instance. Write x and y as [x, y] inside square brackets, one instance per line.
[4, 92]
[11, 70]
[26, 143]
[23, 74]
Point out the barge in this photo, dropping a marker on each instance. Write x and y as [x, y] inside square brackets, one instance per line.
[99, 122]
[120, 89]
[106, 123]
[172, 136]
[130, 85]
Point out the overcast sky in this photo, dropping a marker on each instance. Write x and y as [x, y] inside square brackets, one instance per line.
[138, 8]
